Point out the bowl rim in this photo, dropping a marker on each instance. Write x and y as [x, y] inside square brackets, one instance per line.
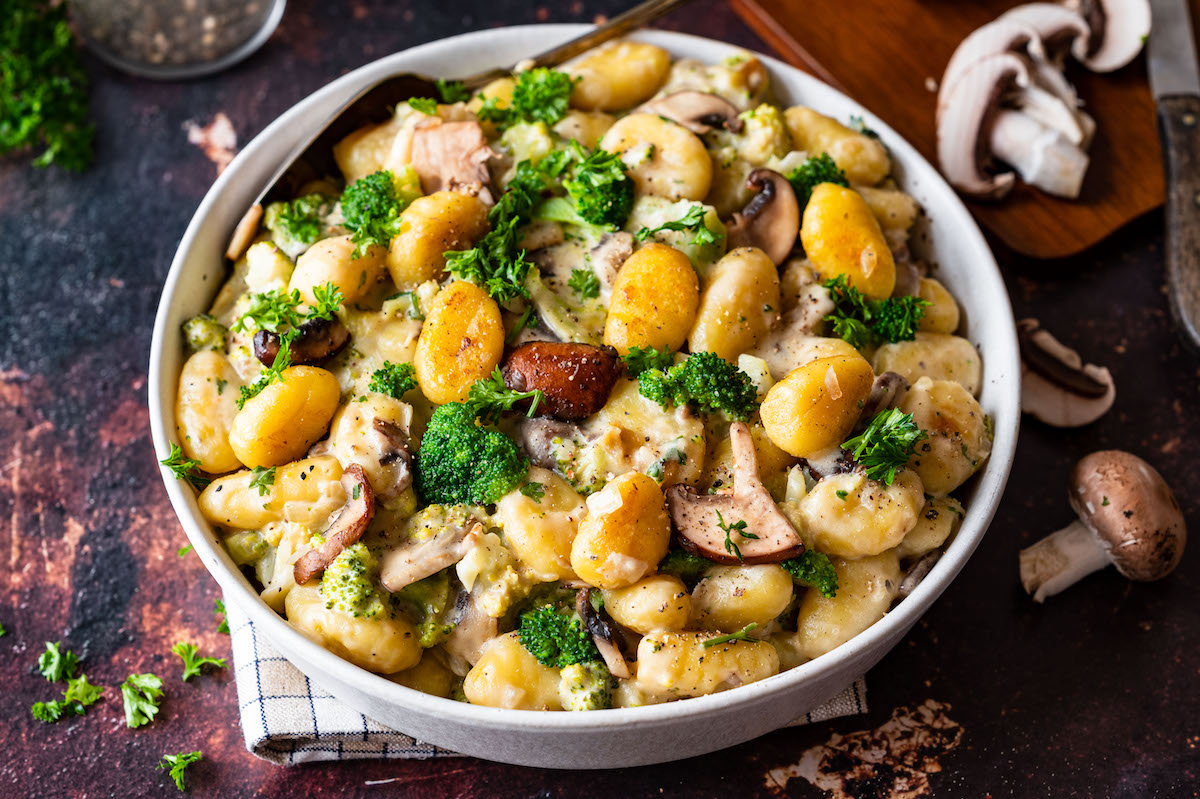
[236, 588]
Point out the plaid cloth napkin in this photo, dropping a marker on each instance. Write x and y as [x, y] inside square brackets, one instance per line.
[286, 719]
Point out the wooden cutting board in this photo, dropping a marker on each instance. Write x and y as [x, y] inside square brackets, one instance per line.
[886, 55]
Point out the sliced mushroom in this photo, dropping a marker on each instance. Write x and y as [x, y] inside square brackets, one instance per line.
[607, 257]
[316, 341]
[452, 156]
[575, 379]
[699, 112]
[603, 635]
[699, 527]
[1039, 154]
[771, 220]
[918, 572]
[1119, 30]
[1057, 387]
[473, 628]
[395, 456]
[415, 560]
[243, 234]
[1127, 516]
[344, 529]
[537, 439]
[908, 278]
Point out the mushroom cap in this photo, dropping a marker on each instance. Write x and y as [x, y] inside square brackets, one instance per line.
[771, 220]
[1056, 25]
[997, 37]
[697, 111]
[1130, 509]
[964, 116]
[1057, 387]
[1119, 30]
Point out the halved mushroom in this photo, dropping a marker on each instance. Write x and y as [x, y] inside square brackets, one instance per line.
[1119, 30]
[699, 112]
[452, 156]
[1127, 516]
[243, 234]
[575, 379]
[771, 220]
[1057, 387]
[395, 456]
[973, 125]
[537, 439]
[768, 535]
[316, 341]
[473, 628]
[918, 572]
[417, 559]
[603, 635]
[344, 529]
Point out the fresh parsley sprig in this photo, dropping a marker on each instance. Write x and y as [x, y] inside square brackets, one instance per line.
[142, 694]
[641, 359]
[425, 105]
[453, 91]
[56, 665]
[692, 222]
[393, 379]
[865, 322]
[193, 663]
[584, 283]
[185, 468]
[730, 528]
[886, 445]
[262, 478]
[176, 764]
[539, 95]
[741, 635]
[79, 695]
[490, 397]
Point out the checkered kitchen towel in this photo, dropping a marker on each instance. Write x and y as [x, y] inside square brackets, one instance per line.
[286, 719]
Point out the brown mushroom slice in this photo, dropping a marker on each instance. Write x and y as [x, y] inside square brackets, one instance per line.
[395, 456]
[344, 529]
[917, 572]
[243, 234]
[697, 111]
[575, 379]
[1057, 387]
[1127, 516]
[316, 341]
[452, 156]
[603, 634]
[771, 220]
[537, 439]
[415, 560]
[698, 525]
[473, 628]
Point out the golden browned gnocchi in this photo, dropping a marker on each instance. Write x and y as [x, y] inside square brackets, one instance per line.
[545, 404]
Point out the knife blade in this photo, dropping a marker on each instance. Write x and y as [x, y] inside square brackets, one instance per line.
[1175, 81]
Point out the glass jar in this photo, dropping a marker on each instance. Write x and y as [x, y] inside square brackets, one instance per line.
[170, 39]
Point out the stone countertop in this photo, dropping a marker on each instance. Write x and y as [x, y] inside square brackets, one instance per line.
[1092, 695]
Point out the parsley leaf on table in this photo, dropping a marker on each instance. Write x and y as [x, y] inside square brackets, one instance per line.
[56, 665]
[142, 694]
[192, 661]
[176, 765]
[79, 695]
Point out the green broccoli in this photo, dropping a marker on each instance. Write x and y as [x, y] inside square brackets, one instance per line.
[684, 565]
[371, 207]
[430, 598]
[462, 462]
[600, 189]
[556, 638]
[296, 225]
[586, 686]
[706, 383]
[563, 211]
[348, 584]
[816, 170]
[204, 333]
[813, 569]
[394, 379]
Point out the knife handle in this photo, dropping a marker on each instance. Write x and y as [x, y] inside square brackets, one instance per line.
[1179, 129]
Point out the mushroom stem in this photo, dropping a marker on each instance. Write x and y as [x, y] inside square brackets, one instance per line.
[1039, 154]
[1060, 560]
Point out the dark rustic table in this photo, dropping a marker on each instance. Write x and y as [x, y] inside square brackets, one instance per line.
[1094, 694]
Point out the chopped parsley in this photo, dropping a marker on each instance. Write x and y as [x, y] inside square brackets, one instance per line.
[813, 172]
[691, 222]
[176, 764]
[394, 379]
[142, 694]
[490, 397]
[584, 283]
[185, 468]
[300, 219]
[184, 550]
[841, 494]
[539, 95]
[262, 478]
[886, 445]
[533, 490]
[426, 105]
[223, 627]
[329, 300]
[527, 319]
[729, 529]
[864, 322]
[741, 635]
[641, 359]
[79, 695]
[56, 665]
[192, 662]
[453, 91]
[270, 310]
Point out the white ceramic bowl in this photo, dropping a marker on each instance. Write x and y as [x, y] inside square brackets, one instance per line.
[607, 738]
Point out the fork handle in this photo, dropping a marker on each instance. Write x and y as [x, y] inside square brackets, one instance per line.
[636, 17]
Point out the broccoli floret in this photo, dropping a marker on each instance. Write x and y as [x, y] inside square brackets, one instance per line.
[464, 463]
[600, 189]
[204, 333]
[684, 565]
[863, 322]
[816, 170]
[706, 383]
[814, 569]
[371, 207]
[586, 686]
[296, 225]
[429, 600]
[556, 638]
[563, 211]
[394, 379]
[348, 583]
